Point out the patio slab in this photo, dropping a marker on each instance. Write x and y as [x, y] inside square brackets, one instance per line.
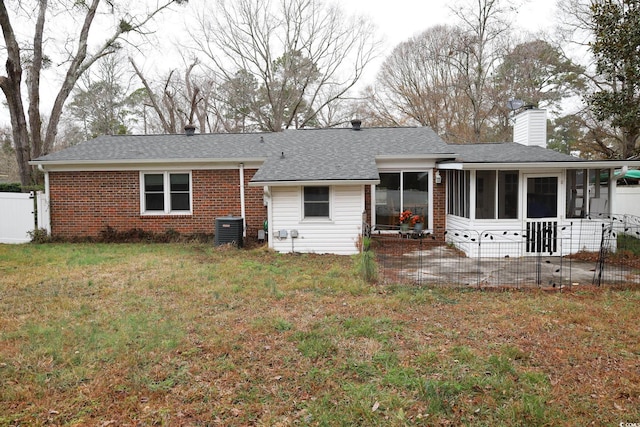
[444, 265]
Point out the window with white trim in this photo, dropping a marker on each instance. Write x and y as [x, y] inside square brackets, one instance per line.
[316, 202]
[399, 192]
[497, 194]
[459, 193]
[166, 192]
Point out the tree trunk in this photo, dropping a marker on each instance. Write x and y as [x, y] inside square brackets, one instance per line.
[33, 83]
[11, 86]
[28, 140]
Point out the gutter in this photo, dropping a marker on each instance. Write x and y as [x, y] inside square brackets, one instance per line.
[120, 164]
[577, 164]
[409, 156]
[294, 183]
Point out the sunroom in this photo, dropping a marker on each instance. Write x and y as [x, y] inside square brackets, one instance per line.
[521, 199]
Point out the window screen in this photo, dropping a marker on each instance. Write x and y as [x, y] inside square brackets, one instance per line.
[179, 183]
[316, 202]
[154, 192]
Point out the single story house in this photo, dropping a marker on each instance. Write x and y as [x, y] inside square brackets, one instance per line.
[317, 188]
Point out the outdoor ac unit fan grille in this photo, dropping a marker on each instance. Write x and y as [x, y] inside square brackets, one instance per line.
[229, 230]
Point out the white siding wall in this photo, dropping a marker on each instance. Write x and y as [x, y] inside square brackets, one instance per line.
[486, 238]
[574, 235]
[337, 235]
[530, 128]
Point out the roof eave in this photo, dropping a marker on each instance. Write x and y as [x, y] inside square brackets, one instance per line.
[296, 183]
[132, 163]
[575, 164]
[430, 156]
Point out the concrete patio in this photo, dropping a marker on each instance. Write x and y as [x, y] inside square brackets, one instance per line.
[428, 262]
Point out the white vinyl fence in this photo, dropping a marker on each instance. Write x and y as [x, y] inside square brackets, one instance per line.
[18, 216]
[628, 199]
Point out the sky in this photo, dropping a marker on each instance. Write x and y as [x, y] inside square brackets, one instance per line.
[398, 20]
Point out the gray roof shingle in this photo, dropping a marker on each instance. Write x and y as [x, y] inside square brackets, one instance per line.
[507, 152]
[339, 154]
[299, 155]
[309, 155]
[118, 148]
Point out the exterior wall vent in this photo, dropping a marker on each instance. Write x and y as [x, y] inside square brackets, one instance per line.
[189, 130]
[229, 230]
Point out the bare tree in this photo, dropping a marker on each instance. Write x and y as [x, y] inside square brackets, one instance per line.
[444, 77]
[303, 54]
[32, 139]
[8, 165]
[417, 81]
[183, 98]
[485, 27]
[102, 103]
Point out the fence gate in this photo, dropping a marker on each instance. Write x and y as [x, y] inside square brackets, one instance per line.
[18, 216]
[542, 237]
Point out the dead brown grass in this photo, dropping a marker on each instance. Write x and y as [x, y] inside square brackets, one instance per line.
[189, 335]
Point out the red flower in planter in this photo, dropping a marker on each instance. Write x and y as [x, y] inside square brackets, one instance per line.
[405, 216]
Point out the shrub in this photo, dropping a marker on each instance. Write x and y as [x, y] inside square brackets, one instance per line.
[134, 235]
[366, 262]
[10, 187]
[39, 235]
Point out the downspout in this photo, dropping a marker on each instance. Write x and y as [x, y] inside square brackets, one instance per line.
[242, 206]
[47, 195]
[269, 230]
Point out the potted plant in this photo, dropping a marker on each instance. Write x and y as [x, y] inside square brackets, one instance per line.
[405, 220]
[416, 223]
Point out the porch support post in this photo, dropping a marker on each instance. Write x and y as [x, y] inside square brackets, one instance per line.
[586, 197]
[613, 183]
[372, 205]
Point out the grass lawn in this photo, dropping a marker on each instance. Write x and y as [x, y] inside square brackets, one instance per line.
[176, 334]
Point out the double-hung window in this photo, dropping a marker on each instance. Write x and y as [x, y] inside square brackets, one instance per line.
[316, 202]
[166, 192]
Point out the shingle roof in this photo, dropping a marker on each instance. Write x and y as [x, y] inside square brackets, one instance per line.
[339, 154]
[508, 152]
[299, 155]
[309, 155]
[117, 148]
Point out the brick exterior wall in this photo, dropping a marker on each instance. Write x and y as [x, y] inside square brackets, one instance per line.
[82, 204]
[439, 206]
